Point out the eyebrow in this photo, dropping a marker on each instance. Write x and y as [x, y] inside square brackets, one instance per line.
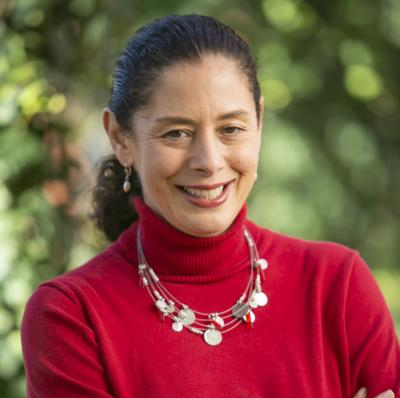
[183, 120]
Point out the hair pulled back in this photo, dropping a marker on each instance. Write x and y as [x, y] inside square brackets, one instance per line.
[154, 48]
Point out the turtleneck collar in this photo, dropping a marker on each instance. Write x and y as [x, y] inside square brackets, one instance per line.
[178, 257]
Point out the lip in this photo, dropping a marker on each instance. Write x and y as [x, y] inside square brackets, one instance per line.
[207, 203]
[206, 186]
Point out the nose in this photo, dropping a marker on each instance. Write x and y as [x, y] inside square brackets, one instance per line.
[207, 154]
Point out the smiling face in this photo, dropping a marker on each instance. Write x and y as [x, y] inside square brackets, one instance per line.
[195, 145]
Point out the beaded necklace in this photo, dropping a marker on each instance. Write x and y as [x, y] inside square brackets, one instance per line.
[210, 325]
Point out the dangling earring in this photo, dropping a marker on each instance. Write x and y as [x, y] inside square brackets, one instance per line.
[127, 184]
[255, 176]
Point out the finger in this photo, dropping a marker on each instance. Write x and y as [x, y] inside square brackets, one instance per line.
[361, 393]
[386, 394]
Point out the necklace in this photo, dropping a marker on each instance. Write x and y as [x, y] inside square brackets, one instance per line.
[210, 325]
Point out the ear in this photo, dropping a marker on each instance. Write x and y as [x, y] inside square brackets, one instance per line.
[261, 117]
[121, 143]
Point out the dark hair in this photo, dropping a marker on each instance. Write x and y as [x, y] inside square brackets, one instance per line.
[155, 47]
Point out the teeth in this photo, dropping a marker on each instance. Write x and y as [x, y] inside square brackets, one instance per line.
[204, 193]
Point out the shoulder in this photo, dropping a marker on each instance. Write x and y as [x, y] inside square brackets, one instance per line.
[331, 271]
[328, 269]
[101, 275]
[301, 251]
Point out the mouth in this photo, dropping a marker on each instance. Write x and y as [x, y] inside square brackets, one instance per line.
[206, 195]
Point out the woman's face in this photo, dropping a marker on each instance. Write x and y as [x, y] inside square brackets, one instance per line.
[195, 145]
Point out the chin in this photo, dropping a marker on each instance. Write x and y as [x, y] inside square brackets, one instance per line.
[206, 233]
[207, 227]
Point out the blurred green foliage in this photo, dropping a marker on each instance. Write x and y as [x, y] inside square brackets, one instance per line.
[330, 163]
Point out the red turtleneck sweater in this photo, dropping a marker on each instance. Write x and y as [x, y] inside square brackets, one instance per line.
[326, 331]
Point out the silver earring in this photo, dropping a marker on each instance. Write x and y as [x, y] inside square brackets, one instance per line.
[255, 176]
[127, 184]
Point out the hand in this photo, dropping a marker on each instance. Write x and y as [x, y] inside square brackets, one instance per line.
[362, 393]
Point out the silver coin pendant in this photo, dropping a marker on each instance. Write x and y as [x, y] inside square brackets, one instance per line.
[186, 316]
[261, 299]
[177, 326]
[212, 336]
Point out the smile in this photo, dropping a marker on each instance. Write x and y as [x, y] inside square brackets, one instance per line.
[204, 193]
[207, 195]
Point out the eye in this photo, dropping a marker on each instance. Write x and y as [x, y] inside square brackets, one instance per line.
[176, 134]
[232, 130]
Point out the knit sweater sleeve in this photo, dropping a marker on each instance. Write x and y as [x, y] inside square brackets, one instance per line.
[60, 350]
[373, 346]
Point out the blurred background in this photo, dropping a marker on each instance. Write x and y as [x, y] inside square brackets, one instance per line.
[330, 162]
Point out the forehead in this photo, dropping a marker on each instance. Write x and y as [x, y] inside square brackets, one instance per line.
[211, 86]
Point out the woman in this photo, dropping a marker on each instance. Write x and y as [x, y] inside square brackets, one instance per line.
[192, 299]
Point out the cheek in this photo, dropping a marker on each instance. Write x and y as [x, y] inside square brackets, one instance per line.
[246, 160]
[158, 166]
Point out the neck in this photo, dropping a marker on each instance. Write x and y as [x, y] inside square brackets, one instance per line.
[178, 257]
